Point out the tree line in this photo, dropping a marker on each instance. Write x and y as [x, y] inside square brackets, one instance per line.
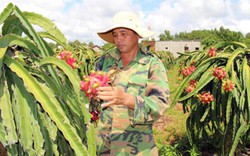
[207, 37]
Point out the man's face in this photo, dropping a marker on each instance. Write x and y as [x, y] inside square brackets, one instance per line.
[126, 40]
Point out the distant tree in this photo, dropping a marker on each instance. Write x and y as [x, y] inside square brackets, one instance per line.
[198, 34]
[247, 35]
[247, 39]
[91, 44]
[76, 43]
[228, 35]
[207, 37]
[181, 36]
[193, 35]
[166, 36]
[209, 41]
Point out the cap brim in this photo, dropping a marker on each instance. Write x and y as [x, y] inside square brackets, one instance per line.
[142, 32]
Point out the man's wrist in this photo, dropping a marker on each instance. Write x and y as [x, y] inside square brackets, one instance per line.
[129, 101]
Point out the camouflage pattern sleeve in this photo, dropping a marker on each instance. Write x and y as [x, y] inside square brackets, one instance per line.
[152, 103]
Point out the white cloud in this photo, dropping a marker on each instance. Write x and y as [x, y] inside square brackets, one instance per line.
[187, 15]
[81, 19]
[86, 18]
[244, 7]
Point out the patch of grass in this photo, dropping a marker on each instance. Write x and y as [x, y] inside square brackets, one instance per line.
[171, 127]
[173, 79]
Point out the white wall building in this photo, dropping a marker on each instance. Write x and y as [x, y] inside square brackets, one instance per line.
[177, 46]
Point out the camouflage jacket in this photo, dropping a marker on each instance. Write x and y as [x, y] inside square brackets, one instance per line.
[124, 131]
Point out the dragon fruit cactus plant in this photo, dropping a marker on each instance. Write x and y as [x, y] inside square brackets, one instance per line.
[218, 103]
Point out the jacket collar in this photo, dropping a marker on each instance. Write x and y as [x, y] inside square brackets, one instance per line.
[141, 57]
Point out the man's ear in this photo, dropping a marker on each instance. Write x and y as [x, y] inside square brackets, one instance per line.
[138, 37]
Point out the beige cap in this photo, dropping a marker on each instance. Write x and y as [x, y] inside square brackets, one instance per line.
[128, 20]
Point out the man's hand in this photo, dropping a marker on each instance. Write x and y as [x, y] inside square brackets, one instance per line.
[115, 96]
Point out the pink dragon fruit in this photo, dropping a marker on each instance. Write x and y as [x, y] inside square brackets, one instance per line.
[90, 83]
[227, 85]
[212, 52]
[206, 97]
[219, 73]
[67, 56]
[192, 85]
[186, 71]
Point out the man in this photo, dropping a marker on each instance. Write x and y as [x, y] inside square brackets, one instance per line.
[138, 95]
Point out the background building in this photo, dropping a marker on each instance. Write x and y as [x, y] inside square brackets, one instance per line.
[172, 46]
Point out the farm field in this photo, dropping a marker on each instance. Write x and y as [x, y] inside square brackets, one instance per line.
[43, 109]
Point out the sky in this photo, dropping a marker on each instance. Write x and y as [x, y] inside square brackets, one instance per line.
[82, 19]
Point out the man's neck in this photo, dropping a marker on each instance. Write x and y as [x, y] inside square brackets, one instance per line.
[128, 57]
